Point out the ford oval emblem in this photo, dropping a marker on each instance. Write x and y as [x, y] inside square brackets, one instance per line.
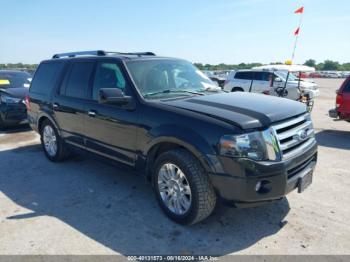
[302, 135]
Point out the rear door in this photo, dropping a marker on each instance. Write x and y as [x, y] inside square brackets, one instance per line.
[69, 104]
[261, 82]
[243, 79]
[46, 79]
[345, 107]
[111, 129]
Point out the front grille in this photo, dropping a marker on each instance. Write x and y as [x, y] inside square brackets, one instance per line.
[299, 168]
[294, 135]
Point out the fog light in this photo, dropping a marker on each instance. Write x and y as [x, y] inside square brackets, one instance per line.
[263, 187]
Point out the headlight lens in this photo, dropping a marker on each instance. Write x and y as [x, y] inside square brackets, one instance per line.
[9, 99]
[256, 145]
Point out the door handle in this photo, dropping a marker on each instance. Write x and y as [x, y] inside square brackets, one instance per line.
[92, 113]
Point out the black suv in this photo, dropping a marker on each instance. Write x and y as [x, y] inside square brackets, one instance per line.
[165, 119]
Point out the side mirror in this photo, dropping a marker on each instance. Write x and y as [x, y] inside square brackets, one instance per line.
[277, 79]
[113, 96]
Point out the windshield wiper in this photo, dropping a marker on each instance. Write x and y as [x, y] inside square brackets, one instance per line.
[168, 91]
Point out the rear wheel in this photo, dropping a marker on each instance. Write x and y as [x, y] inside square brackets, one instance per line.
[52, 143]
[182, 187]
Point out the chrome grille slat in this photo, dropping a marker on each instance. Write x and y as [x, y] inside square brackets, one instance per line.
[290, 123]
[289, 135]
[293, 142]
[299, 149]
[293, 131]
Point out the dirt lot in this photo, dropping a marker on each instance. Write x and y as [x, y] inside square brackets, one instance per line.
[85, 206]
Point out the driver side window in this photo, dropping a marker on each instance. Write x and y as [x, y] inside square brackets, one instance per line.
[108, 75]
[180, 79]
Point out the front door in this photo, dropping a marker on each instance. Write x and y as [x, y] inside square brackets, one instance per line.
[111, 130]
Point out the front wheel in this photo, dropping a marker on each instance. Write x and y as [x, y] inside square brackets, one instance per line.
[182, 187]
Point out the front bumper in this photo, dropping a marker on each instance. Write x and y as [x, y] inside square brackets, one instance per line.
[235, 180]
[311, 93]
[13, 114]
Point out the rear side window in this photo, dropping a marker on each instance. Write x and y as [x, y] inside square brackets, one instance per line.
[347, 86]
[45, 77]
[262, 76]
[78, 80]
[244, 75]
[258, 76]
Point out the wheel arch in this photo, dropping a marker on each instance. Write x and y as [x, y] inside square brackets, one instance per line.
[42, 117]
[237, 88]
[164, 144]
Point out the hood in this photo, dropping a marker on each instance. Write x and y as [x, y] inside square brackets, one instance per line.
[19, 92]
[245, 110]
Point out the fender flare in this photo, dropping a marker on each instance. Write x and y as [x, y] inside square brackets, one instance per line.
[44, 114]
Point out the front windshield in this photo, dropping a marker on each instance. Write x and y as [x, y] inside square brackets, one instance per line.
[283, 76]
[159, 78]
[14, 80]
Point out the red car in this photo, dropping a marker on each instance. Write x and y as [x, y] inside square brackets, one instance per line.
[342, 109]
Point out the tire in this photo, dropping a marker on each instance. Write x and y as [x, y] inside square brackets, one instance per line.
[2, 125]
[202, 195]
[237, 89]
[61, 151]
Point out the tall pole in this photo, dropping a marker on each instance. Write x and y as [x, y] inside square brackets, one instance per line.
[297, 36]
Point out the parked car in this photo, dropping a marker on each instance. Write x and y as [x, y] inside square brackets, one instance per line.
[342, 108]
[272, 82]
[14, 86]
[215, 78]
[164, 118]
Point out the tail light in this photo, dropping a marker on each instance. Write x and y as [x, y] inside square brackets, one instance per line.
[339, 100]
[266, 92]
[27, 102]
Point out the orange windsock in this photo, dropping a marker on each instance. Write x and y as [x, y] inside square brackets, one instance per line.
[299, 11]
[297, 31]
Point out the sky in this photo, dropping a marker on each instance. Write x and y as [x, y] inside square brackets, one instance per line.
[205, 31]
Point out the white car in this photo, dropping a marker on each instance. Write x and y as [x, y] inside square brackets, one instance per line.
[269, 82]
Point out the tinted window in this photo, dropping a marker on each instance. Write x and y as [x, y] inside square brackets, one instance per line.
[108, 75]
[258, 76]
[244, 75]
[11, 79]
[347, 86]
[78, 79]
[45, 77]
[262, 76]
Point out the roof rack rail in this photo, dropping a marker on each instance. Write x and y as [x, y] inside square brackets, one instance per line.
[74, 54]
[137, 53]
[100, 53]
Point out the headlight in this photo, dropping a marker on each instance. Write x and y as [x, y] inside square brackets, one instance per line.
[256, 145]
[9, 99]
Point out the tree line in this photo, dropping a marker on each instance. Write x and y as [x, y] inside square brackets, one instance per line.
[327, 65]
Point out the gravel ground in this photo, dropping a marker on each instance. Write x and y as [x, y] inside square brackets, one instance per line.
[86, 206]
